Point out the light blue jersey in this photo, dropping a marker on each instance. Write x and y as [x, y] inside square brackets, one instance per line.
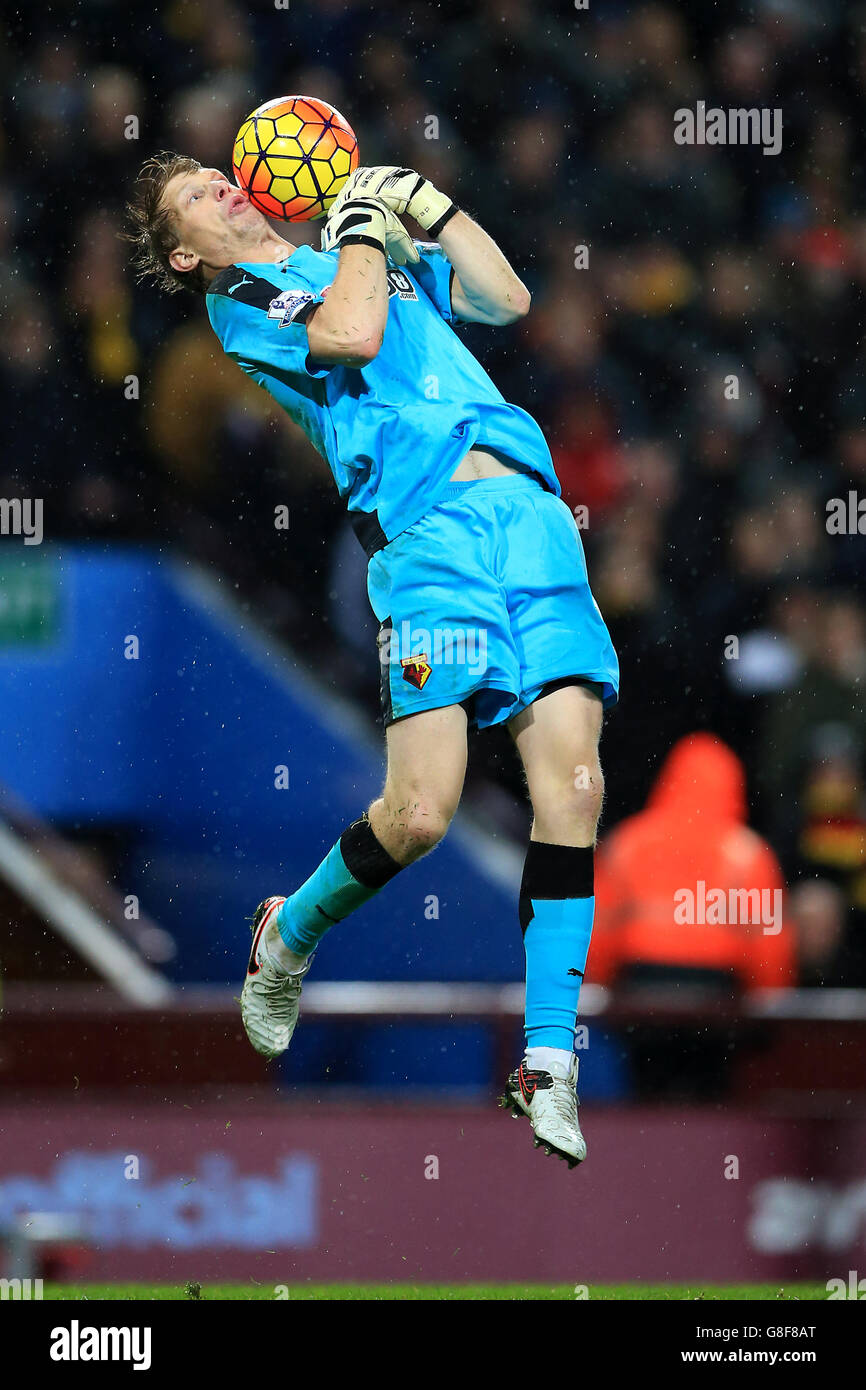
[393, 432]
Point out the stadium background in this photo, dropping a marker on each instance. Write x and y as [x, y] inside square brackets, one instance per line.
[706, 521]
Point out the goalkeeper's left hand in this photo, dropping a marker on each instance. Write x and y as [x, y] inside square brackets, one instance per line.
[398, 243]
[403, 191]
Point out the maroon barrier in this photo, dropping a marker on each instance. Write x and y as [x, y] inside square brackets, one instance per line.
[280, 1192]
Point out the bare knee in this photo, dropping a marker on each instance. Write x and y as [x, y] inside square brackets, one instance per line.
[587, 791]
[567, 808]
[408, 826]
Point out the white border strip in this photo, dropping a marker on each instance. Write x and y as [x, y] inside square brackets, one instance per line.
[79, 926]
[368, 998]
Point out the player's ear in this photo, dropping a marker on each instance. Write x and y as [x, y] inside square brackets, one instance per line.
[183, 260]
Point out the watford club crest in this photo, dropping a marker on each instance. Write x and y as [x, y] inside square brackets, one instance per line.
[416, 670]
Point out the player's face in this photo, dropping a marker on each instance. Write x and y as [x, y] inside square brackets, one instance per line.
[213, 217]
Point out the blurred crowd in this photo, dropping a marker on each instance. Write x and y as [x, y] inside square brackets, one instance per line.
[694, 352]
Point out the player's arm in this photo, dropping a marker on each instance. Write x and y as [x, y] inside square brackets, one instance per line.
[484, 288]
[348, 326]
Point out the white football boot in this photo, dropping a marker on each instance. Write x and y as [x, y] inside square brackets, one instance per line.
[550, 1104]
[270, 997]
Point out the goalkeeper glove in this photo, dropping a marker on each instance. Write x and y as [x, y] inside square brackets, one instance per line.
[403, 191]
[368, 222]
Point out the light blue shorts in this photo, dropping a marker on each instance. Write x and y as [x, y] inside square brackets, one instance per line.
[484, 602]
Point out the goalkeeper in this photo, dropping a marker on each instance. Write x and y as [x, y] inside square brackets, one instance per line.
[451, 491]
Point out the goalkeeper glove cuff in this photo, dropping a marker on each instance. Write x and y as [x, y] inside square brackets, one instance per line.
[360, 222]
[430, 208]
[436, 227]
[398, 243]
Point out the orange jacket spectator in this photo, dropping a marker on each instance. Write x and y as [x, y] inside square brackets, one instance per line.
[687, 883]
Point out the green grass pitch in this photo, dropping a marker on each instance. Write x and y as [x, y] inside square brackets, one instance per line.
[432, 1292]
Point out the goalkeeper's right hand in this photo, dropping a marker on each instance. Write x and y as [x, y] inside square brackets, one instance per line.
[366, 221]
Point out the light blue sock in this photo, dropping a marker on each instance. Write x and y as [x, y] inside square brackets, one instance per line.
[557, 906]
[556, 944]
[352, 872]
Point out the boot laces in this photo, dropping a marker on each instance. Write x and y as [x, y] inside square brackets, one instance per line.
[280, 991]
[565, 1102]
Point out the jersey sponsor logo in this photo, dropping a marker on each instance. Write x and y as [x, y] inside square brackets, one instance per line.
[416, 670]
[400, 284]
[286, 307]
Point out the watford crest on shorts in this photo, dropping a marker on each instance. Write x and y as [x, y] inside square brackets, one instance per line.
[416, 670]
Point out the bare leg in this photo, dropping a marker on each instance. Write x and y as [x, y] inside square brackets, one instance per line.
[557, 738]
[426, 770]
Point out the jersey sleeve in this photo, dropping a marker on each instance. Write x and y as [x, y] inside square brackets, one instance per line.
[434, 273]
[265, 330]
